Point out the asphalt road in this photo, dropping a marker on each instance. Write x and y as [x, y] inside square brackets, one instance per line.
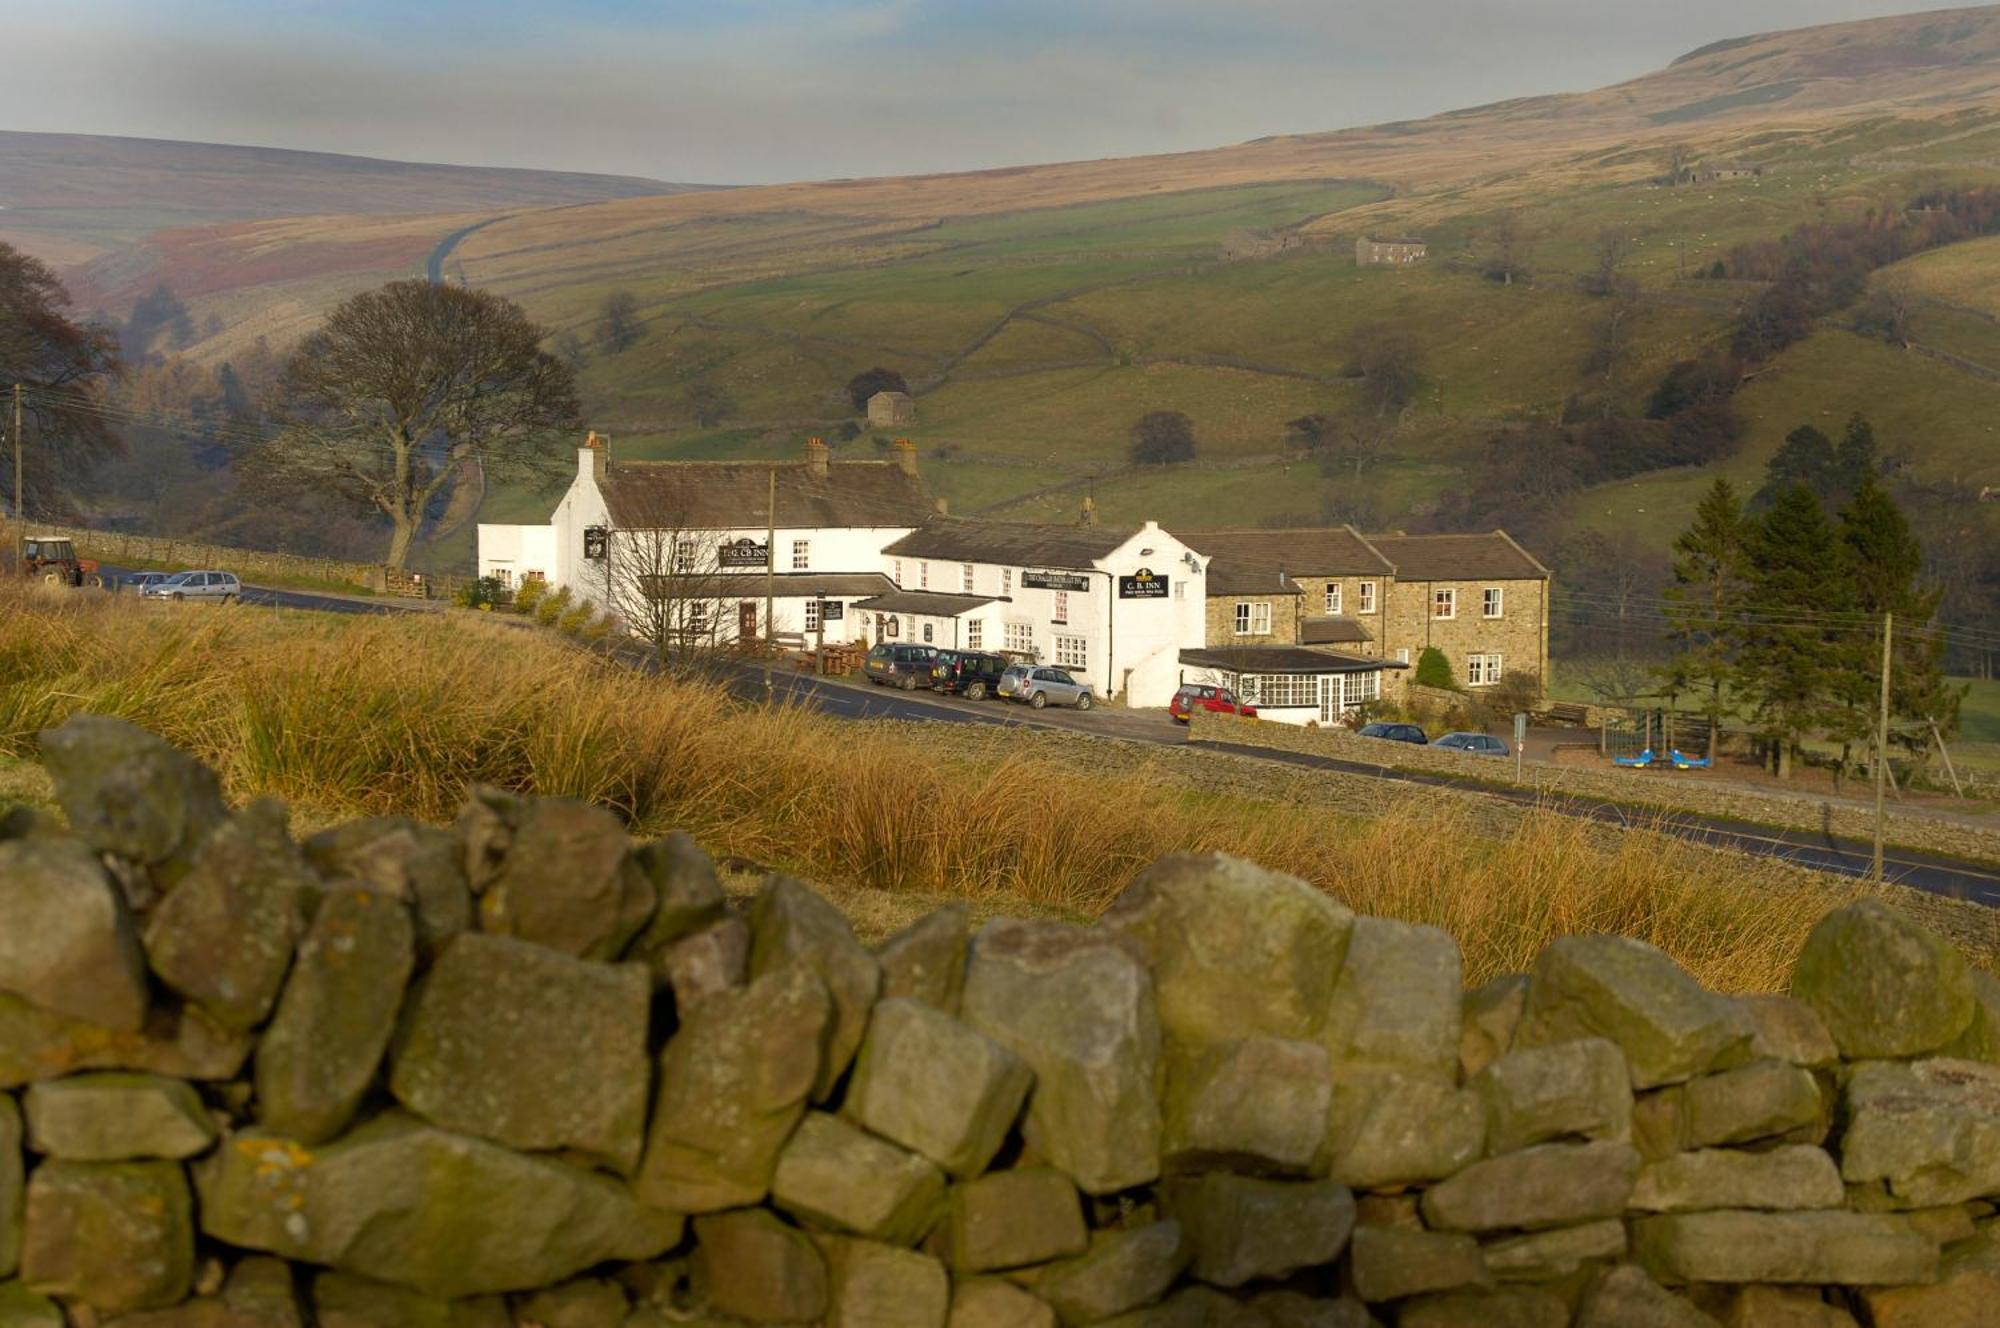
[1954, 878]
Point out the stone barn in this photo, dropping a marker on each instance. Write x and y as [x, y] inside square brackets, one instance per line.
[890, 410]
[1371, 252]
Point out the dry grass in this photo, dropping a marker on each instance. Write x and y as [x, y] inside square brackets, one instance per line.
[400, 714]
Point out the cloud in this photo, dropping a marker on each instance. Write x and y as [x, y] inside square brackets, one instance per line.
[763, 90]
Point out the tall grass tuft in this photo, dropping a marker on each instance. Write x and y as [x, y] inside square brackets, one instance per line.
[400, 714]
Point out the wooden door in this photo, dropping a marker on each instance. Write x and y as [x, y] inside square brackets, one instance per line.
[746, 620]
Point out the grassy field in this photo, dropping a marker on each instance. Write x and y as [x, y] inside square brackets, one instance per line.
[303, 706]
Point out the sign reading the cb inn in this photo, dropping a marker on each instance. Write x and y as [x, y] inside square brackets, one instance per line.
[1039, 580]
[1142, 584]
[744, 552]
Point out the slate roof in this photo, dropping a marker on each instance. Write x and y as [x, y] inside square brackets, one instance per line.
[929, 603]
[1250, 561]
[1332, 631]
[728, 495]
[1493, 556]
[1282, 659]
[785, 585]
[1015, 544]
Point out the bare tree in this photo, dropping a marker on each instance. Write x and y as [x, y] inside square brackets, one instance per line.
[1389, 360]
[663, 577]
[1610, 251]
[1611, 344]
[1508, 240]
[618, 323]
[1678, 156]
[402, 387]
[1887, 312]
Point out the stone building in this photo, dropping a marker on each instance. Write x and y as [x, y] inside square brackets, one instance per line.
[1481, 599]
[891, 410]
[1371, 252]
[1727, 170]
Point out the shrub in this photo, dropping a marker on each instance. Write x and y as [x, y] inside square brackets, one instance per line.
[1434, 670]
[530, 594]
[572, 621]
[553, 607]
[1162, 436]
[483, 593]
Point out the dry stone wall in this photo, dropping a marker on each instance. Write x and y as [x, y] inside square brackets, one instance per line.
[524, 1071]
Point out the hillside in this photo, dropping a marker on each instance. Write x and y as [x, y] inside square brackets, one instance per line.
[1038, 311]
[72, 197]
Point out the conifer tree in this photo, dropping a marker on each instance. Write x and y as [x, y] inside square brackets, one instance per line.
[1709, 569]
[1884, 566]
[1791, 647]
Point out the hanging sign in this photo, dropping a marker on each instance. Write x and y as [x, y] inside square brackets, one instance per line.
[1142, 584]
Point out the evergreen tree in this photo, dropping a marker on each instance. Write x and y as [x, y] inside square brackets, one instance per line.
[1790, 652]
[1805, 457]
[1709, 569]
[1884, 565]
[1854, 461]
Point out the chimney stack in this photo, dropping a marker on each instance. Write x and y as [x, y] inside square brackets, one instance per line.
[594, 455]
[817, 458]
[906, 457]
[1089, 516]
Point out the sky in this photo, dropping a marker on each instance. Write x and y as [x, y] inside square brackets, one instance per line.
[759, 91]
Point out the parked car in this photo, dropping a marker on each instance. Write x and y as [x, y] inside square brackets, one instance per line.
[1038, 685]
[1214, 700]
[976, 673]
[140, 582]
[1395, 733]
[222, 587]
[1479, 744]
[892, 665]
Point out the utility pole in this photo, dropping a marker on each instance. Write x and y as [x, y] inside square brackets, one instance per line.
[770, 573]
[1882, 745]
[20, 512]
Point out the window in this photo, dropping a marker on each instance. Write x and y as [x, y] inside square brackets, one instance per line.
[1367, 597]
[684, 556]
[1060, 613]
[697, 618]
[927, 633]
[1333, 597]
[1021, 638]
[1180, 589]
[1491, 602]
[896, 573]
[1355, 688]
[974, 634]
[1253, 619]
[1006, 580]
[801, 555]
[924, 574]
[1482, 670]
[1402, 654]
[1444, 603]
[1071, 652]
[965, 578]
[812, 615]
[1287, 689]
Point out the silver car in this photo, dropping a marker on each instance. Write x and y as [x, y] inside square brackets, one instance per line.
[1038, 685]
[1479, 744]
[222, 587]
[141, 582]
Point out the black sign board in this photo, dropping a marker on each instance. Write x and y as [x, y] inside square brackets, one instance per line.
[1142, 585]
[1055, 580]
[830, 610]
[593, 542]
[745, 552]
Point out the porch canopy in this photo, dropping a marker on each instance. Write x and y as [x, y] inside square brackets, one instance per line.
[1292, 683]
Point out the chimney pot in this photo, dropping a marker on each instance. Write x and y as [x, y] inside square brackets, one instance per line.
[818, 457]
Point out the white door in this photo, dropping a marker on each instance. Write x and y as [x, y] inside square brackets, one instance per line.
[1329, 698]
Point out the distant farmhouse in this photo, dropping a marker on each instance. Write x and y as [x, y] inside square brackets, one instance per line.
[889, 410]
[1709, 172]
[1371, 252]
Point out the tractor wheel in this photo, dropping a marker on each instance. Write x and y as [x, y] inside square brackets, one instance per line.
[54, 579]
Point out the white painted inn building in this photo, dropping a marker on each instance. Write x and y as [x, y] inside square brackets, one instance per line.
[863, 555]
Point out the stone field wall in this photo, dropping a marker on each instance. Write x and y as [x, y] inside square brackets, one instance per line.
[525, 1071]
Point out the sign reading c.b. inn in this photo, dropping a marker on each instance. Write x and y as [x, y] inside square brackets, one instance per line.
[1142, 584]
[744, 552]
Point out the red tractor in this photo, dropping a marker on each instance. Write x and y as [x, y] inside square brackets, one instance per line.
[53, 559]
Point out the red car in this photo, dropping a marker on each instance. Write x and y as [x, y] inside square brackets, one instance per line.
[1215, 700]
